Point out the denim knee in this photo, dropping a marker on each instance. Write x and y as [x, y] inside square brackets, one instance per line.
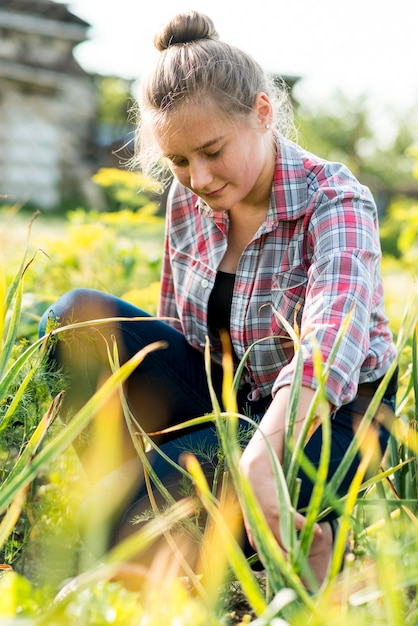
[64, 307]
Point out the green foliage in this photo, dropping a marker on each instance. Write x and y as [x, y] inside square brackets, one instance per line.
[18, 597]
[106, 251]
[399, 232]
[121, 190]
[336, 137]
[113, 96]
[42, 484]
[381, 157]
[117, 252]
[113, 105]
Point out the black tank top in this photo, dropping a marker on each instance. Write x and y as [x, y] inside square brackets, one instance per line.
[220, 300]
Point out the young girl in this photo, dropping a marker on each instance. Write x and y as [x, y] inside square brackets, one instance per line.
[255, 225]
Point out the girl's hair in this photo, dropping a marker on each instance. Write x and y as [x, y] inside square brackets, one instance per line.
[193, 65]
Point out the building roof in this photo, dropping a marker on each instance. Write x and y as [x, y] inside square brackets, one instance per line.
[45, 8]
[47, 19]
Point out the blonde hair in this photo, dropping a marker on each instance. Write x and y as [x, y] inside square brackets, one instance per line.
[195, 64]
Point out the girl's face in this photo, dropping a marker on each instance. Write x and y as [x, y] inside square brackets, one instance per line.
[228, 162]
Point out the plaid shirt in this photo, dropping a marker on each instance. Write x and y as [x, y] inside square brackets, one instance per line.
[315, 258]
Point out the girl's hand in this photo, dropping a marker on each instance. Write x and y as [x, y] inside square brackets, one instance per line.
[255, 462]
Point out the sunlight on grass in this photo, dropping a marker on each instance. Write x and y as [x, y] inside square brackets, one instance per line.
[55, 522]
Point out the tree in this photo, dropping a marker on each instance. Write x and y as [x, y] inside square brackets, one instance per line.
[114, 102]
[344, 132]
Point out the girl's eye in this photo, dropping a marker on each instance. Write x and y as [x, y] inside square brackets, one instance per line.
[178, 162]
[213, 155]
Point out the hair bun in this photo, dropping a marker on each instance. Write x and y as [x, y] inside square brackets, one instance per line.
[184, 28]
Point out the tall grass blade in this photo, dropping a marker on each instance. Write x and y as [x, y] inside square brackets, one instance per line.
[414, 375]
[33, 444]
[12, 330]
[236, 557]
[241, 365]
[277, 566]
[142, 440]
[14, 293]
[13, 372]
[322, 372]
[123, 552]
[229, 397]
[323, 466]
[5, 419]
[291, 413]
[345, 521]
[3, 304]
[11, 292]
[279, 570]
[11, 516]
[361, 434]
[63, 439]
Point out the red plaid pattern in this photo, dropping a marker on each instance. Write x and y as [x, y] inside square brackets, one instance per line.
[315, 259]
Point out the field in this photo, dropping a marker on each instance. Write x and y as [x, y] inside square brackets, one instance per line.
[49, 577]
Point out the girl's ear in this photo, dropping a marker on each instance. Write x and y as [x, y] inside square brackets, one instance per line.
[263, 109]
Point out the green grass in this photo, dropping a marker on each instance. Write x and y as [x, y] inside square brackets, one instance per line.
[42, 483]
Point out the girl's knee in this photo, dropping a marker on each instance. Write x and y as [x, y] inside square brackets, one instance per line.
[77, 304]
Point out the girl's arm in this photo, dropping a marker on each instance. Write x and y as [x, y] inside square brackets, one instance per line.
[255, 461]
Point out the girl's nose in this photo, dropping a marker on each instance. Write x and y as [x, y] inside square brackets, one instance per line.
[200, 176]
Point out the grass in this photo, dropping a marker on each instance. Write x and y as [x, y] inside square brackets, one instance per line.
[49, 575]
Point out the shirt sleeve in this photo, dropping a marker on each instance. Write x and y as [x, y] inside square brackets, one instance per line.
[342, 278]
[167, 301]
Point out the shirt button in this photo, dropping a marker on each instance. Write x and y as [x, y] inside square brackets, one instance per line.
[205, 283]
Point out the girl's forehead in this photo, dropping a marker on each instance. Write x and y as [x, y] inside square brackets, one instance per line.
[190, 127]
[194, 114]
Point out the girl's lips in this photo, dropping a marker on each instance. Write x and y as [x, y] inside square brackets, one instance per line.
[217, 192]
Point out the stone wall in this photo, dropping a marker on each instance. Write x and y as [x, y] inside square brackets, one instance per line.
[47, 105]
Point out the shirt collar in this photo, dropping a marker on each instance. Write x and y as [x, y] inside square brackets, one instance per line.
[290, 184]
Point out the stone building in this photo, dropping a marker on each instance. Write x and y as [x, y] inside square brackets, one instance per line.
[47, 105]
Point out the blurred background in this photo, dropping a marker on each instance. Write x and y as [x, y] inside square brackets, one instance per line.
[68, 73]
[68, 76]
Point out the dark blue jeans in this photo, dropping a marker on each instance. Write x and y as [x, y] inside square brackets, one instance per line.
[168, 387]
